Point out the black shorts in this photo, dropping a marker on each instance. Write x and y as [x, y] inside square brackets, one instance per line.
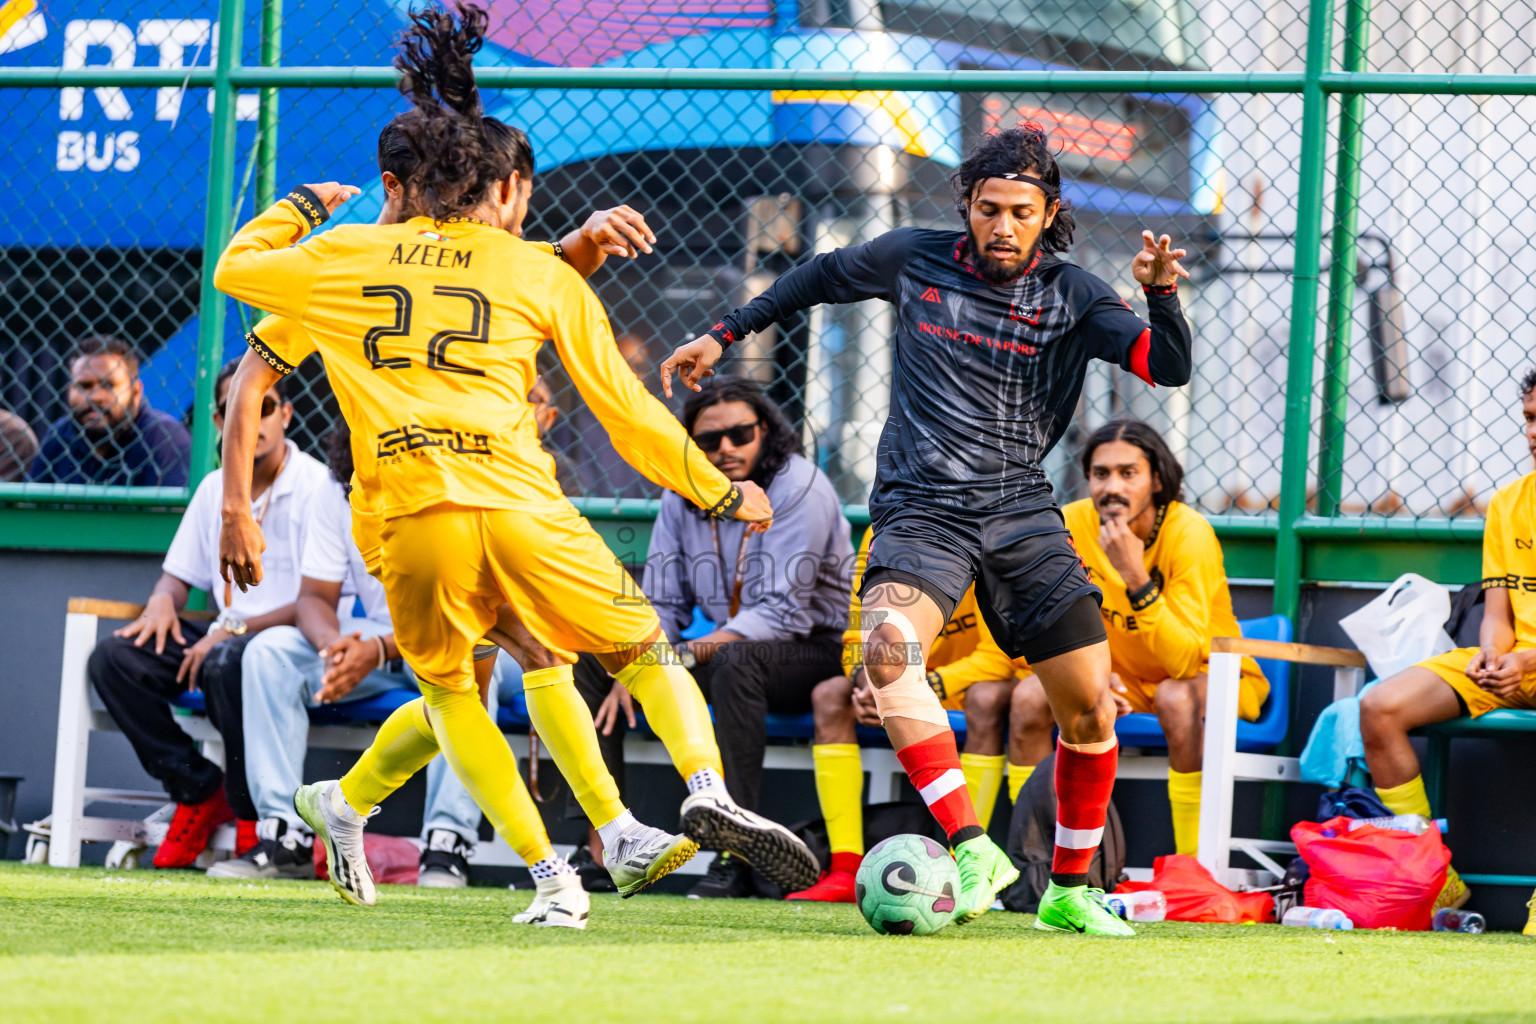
[1031, 587]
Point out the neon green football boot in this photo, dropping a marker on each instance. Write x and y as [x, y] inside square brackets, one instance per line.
[985, 871]
[1079, 909]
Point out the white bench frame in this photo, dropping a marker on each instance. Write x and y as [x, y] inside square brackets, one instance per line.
[1224, 766]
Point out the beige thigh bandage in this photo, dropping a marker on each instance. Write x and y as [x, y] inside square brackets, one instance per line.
[909, 696]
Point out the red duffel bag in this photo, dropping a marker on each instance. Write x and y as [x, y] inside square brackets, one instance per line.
[1379, 877]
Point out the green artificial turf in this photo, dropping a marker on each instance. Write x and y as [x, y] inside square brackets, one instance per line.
[173, 946]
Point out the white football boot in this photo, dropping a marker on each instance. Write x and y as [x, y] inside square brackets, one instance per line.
[558, 902]
[644, 854]
[334, 823]
[715, 821]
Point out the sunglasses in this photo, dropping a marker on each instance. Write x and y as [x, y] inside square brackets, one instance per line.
[268, 407]
[740, 434]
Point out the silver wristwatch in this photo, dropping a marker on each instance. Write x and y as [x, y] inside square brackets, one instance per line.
[232, 625]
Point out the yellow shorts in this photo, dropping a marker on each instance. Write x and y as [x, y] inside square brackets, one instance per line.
[1452, 667]
[1252, 690]
[447, 568]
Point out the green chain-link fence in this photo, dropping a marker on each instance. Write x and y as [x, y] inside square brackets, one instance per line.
[1388, 150]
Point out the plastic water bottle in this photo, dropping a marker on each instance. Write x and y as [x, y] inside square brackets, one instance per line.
[1415, 823]
[1449, 919]
[1316, 917]
[1150, 905]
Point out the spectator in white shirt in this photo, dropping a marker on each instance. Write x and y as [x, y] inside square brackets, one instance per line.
[163, 653]
[328, 657]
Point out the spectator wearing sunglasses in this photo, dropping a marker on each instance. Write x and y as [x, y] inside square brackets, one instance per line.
[162, 652]
[778, 600]
[111, 435]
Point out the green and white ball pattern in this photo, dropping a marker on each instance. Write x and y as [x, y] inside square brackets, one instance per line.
[907, 885]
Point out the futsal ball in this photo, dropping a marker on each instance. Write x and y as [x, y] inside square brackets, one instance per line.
[907, 885]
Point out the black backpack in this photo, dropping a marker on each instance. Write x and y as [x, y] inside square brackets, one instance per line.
[1032, 841]
[1351, 802]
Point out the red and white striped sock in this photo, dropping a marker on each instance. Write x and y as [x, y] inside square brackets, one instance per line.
[1084, 783]
[933, 765]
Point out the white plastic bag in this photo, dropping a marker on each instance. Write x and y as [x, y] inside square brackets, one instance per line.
[1403, 626]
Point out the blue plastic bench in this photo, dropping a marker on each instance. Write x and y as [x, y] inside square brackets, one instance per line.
[511, 717]
[1267, 731]
[1134, 730]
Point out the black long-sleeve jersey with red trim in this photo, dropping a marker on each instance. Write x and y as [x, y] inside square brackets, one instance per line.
[985, 377]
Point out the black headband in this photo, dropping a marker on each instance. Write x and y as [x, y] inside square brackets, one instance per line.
[1051, 191]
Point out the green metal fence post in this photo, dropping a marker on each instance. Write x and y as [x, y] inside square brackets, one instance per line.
[1303, 340]
[1341, 276]
[271, 52]
[221, 186]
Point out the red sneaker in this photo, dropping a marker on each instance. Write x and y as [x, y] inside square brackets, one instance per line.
[245, 837]
[831, 887]
[190, 830]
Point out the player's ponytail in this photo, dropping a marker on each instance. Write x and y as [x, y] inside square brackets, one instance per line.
[453, 166]
[1025, 150]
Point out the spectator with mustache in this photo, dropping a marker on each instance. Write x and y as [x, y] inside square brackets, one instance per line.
[111, 435]
[1160, 567]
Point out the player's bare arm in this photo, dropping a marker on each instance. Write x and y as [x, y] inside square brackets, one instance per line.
[1496, 636]
[621, 231]
[240, 539]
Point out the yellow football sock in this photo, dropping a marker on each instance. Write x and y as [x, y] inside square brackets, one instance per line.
[480, 757]
[1184, 799]
[402, 748]
[840, 788]
[1018, 774]
[983, 778]
[674, 708]
[1409, 798]
[565, 725]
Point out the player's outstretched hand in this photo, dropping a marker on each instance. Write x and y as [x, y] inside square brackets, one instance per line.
[691, 363]
[755, 508]
[1157, 266]
[240, 548]
[334, 193]
[621, 231]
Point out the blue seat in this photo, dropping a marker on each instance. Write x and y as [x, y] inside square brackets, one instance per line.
[1265, 733]
[510, 718]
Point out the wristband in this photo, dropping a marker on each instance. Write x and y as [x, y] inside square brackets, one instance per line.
[726, 507]
[309, 205]
[1144, 595]
[383, 654]
[1161, 289]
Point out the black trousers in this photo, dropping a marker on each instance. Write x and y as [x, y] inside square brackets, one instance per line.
[594, 683]
[747, 679]
[135, 683]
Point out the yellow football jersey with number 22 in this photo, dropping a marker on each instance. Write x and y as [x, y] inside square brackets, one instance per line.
[429, 334]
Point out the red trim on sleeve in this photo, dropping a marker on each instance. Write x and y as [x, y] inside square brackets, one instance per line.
[1141, 352]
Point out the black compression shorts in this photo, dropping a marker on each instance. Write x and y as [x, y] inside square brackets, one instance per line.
[1031, 587]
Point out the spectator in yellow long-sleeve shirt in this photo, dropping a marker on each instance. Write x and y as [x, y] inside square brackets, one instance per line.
[1160, 567]
[968, 672]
